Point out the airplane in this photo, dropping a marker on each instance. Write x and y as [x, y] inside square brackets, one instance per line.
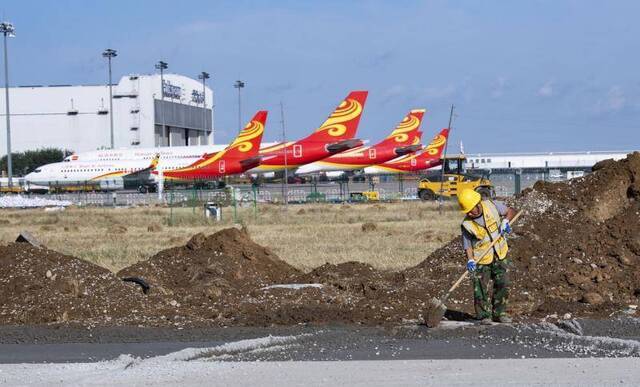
[242, 154]
[106, 175]
[128, 154]
[335, 135]
[404, 139]
[99, 175]
[428, 158]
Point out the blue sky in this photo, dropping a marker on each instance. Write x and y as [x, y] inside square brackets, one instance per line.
[524, 75]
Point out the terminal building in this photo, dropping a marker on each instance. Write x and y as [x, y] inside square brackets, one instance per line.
[77, 118]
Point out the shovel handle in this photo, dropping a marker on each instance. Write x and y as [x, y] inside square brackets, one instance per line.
[466, 273]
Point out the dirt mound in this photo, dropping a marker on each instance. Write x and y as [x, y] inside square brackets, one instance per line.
[40, 286]
[576, 249]
[210, 273]
[600, 195]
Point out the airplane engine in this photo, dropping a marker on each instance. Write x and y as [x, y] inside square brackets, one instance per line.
[332, 174]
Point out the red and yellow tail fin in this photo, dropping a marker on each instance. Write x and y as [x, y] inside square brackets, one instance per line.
[436, 146]
[155, 161]
[342, 124]
[247, 144]
[404, 133]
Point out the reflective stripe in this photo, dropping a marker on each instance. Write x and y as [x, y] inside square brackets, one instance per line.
[484, 235]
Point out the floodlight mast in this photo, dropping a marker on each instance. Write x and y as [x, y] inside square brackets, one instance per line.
[8, 30]
[109, 54]
[239, 85]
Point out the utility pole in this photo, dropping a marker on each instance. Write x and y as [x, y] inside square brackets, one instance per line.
[109, 54]
[163, 66]
[444, 161]
[7, 30]
[285, 181]
[204, 76]
[239, 85]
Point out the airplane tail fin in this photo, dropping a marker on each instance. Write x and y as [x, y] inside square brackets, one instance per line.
[405, 132]
[342, 124]
[437, 144]
[154, 162]
[247, 144]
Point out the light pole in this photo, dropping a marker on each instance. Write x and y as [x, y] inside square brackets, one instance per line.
[8, 31]
[204, 76]
[163, 66]
[109, 54]
[239, 85]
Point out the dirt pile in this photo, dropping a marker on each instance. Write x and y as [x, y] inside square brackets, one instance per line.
[42, 286]
[576, 249]
[210, 275]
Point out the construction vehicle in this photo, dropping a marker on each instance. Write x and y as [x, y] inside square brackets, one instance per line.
[453, 179]
[364, 196]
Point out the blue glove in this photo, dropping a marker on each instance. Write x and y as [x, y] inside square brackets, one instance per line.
[471, 265]
[505, 227]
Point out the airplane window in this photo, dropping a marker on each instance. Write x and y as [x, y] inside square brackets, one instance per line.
[38, 170]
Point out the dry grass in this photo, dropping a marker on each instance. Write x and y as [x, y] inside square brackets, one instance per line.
[304, 235]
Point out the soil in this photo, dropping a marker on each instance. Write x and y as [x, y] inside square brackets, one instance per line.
[39, 286]
[576, 250]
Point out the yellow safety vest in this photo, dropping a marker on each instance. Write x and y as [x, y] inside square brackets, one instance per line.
[484, 236]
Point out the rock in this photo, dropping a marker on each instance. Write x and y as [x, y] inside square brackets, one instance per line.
[576, 279]
[26, 237]
[623, 257]
[592, 298]
[48, 274]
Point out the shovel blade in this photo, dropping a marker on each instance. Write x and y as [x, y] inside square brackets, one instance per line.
[435, 313]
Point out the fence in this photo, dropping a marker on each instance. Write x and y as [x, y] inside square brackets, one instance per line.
[388, 188]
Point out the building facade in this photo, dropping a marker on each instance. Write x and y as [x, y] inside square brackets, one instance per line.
[77, 117]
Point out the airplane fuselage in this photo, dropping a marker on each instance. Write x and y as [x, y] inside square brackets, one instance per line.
[292, 155]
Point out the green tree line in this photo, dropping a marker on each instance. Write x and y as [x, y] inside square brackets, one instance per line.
[25, 162]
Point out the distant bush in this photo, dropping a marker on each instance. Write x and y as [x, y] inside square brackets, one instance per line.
[27, 161]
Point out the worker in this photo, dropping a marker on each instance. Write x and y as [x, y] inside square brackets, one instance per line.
[486, 221]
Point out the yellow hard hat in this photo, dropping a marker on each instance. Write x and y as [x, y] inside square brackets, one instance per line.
[468, 199]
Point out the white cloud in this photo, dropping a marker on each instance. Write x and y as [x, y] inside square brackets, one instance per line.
[546, 90]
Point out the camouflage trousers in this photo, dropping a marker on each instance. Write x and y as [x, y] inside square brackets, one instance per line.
[496, 271]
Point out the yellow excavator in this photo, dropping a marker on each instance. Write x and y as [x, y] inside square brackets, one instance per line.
[453, 180]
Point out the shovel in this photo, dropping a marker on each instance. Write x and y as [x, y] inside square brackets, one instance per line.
[437, 308]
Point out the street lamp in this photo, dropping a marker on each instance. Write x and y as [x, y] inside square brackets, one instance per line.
[109, 54]
[163, 66]
[7, 30]
[204, 76]
[239, 85]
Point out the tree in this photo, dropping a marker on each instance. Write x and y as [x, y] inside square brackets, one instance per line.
[27, 161]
